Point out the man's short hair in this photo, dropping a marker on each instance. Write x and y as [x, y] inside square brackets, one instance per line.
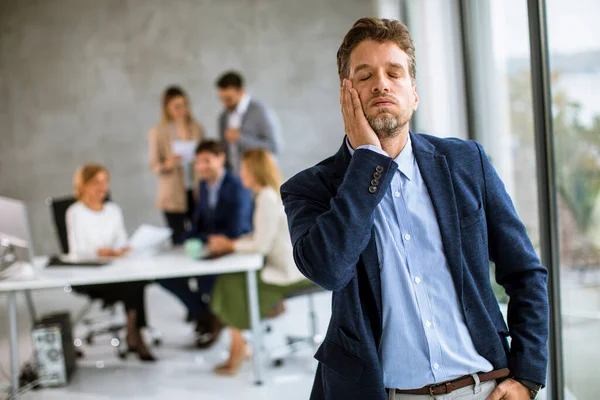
[230, 79]
[379, 30]
[210, 146]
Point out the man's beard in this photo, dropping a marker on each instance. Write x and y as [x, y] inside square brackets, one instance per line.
[388, 125]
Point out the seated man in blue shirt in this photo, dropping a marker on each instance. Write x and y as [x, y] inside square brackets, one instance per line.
[224, 207]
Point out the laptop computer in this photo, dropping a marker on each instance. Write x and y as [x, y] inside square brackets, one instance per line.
[15, 235]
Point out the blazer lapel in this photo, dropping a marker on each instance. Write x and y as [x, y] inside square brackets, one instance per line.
[438, 180]
[223, 196]
[223, 124]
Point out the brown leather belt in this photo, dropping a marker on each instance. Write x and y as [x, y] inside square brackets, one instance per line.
[450, 386]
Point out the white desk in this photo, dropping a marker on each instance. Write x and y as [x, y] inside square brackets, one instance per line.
[170, 264]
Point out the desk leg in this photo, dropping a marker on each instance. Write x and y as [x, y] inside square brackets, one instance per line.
[31, 306]
[14, 343]
[255, 325]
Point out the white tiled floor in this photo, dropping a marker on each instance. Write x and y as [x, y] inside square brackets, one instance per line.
[183, 372]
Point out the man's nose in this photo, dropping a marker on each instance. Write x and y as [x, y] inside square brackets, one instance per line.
[381, 84]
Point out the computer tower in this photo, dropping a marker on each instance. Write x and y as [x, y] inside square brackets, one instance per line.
[53, 345]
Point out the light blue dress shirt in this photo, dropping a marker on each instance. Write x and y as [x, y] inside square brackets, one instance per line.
[213, 191]
[425, 339]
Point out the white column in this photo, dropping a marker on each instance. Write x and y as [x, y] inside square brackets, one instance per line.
[435, 28]
[390, 9]
[491, 85]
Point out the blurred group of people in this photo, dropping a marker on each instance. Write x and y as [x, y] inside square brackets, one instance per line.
[226, 194]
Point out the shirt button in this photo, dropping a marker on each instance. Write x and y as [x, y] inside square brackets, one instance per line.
[397, 194]
[428, 324]
[407, 236]
[417, 279]
[436, 366]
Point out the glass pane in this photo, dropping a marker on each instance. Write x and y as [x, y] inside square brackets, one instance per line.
[500, 77]
[574, 42]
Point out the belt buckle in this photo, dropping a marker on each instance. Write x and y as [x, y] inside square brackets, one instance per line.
[446, 386]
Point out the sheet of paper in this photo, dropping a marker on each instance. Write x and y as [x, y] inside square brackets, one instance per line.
[186, 149]
[148, 236]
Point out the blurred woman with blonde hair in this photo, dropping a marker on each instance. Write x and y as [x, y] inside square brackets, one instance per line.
[270, 236]
[96, 230]
[177, 183]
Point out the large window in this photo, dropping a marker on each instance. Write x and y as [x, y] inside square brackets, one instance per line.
[574, 44]
[501, 105]
[502, 117]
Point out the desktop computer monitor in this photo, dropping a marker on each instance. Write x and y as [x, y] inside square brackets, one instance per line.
[14, 229]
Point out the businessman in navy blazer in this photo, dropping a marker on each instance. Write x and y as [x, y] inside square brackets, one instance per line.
[224, 208]
[401, 227]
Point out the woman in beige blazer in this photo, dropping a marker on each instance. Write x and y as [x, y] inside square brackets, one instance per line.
[270, 236]
[177, 183]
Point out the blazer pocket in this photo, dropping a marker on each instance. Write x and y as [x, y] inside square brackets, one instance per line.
[501, 327]
[350, 341]
[472, 219]
[340, 361]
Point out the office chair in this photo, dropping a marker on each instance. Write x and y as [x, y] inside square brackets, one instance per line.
[296, 343]
[94, 328]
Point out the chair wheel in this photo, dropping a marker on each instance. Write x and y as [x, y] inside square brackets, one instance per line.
[79, 354]
[122, 354]
[278, 362]
[157, 342]
[89, 339]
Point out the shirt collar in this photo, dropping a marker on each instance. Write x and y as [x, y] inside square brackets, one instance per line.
[405, 160]
[217, 186]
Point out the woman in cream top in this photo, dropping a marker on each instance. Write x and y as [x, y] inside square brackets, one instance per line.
[177, 183]
[270, 237]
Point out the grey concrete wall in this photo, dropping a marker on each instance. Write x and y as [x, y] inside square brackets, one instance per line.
[80, 80]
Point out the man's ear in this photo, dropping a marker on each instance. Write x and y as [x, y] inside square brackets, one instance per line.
[416, 98]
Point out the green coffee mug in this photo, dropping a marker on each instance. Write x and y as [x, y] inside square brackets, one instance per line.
[194, 248]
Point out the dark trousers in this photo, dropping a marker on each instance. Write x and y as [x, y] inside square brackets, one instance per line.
[195, 302]
[130, 293]
[180, 223]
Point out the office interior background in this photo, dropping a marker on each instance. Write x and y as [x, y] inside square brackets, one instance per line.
[81, 81]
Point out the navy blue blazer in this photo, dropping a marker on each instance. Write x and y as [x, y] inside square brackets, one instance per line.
[330, 215]
[231, 217]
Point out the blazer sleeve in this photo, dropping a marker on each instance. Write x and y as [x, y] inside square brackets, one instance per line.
[156, 158]
[267, 136]
[329, 234]
[520, 272]
[239, 220]
[197, 217]
[222, 126]
[266, 212]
